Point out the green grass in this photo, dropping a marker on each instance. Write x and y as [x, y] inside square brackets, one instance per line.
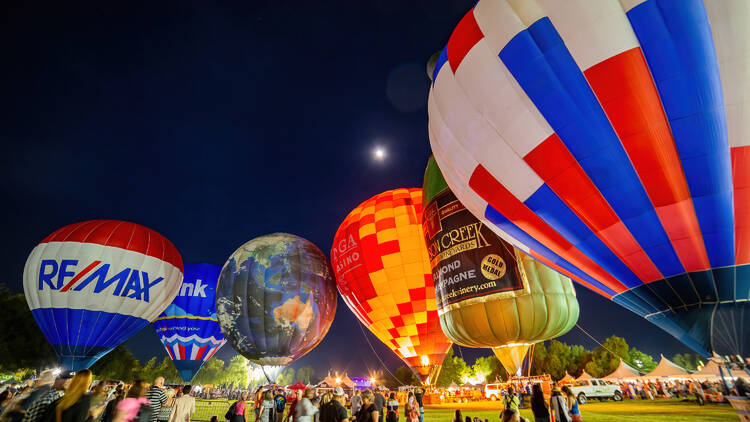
[640, 411]
[627, 411]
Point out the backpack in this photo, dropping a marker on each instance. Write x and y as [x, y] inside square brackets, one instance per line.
[231, 411]
[391, 416]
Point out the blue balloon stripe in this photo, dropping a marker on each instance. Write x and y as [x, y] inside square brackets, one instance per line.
[87, 321]
[676, 40]
[542, 65]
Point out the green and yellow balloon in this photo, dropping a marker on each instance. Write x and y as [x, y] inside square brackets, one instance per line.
[489, 294]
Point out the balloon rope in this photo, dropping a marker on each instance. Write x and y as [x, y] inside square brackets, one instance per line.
[376, 354]
[606, 348]
[461, 352]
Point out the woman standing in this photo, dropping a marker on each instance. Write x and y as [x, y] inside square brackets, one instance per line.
[237, 409]
[75, 404]
[267, 407]
[575, 414]
[183, 406]
[368, 412]
[391, 414]
[539, 405]
[411, 410]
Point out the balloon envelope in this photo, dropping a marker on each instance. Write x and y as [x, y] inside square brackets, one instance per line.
[189, 328]
[276, 299]
[384, 276]
[92, 285]
[610, 141]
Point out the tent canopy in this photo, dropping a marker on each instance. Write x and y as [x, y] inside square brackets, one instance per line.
[297, 386]
[567, 377]
[584, 376]
[711, 370]
[453, 386]
[667, 369]
[623, 371]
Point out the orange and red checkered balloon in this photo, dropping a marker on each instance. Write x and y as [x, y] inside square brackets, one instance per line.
[384, 275]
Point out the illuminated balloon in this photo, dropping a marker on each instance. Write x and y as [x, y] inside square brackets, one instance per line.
[610, 140]
[489, 294]
[189, 328]
[92, 285]
[276, 299]
[384, 276]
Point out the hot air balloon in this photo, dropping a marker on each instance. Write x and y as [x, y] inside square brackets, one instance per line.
[275, 300]
[92, 285]
[489, 294]
[384, 276]
[610, 140]
[189, 328]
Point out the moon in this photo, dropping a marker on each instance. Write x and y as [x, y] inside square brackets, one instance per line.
[379, 153]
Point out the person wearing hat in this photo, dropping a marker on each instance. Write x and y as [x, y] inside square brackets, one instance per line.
[36, 410]
[334, 410]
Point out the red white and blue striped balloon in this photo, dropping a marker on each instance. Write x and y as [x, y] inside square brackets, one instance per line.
[92, 285]
[611, 140]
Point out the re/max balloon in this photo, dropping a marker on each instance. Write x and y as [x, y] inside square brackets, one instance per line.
[384, 276]
[189, 328]
[276, 299]
[610, 140]
[92, 285]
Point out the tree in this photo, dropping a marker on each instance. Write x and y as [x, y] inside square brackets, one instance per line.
[305, 374]
[212, 373]
[22, 344]
[286, 377]
[119, 364]
[488, 368]
[167, 370]
[641, 361]
[236, 372]
[606, 358]
[454, 369]
[689, 361]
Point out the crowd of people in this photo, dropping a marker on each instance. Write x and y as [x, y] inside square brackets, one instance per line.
[73, 397]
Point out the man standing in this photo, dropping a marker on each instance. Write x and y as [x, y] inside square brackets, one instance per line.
[37, 409]
[157, 397]
[280, 401]
[356, 403]
[379, 403]
[334, 410]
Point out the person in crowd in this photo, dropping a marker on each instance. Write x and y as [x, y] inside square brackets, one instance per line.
[157, 397]
[75, 404]
[511, 400]
[559, 406]
[467, 419]
[419, 396]
[280, 403]
[99, 395]
[36, 411]
[5, 399]
[293, 407]
[305, 410]
[135, 407]
[539, 405]
[236, 411]
[334, 410]
[267, 407]
[42, 386]
[411, 409]
[391, 408]
[214, 419]
[15, 409]
[166, 409]
[183, 407]
[356, 403]
[368, 412]
[110, 409]
[257, 399]
[742, 387]
[379, 402]
[510, 415]
[457, 417]
[575, 413]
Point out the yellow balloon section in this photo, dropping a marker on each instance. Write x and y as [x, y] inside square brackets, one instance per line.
[384, 276]
[512, 356]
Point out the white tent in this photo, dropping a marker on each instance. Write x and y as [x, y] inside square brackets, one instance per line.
[667, 369]
[711, 370]
[623, 371]
[584, 376]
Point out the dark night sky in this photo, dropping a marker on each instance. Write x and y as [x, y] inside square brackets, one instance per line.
[216, 123]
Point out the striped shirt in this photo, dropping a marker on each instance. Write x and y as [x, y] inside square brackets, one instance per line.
[157, 397]
[37, 409]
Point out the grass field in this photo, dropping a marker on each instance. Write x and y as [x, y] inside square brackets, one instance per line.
[635, 411]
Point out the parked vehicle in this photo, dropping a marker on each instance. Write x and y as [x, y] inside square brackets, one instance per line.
[594, 388]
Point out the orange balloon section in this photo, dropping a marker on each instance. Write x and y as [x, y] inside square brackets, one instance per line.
[384, 275]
